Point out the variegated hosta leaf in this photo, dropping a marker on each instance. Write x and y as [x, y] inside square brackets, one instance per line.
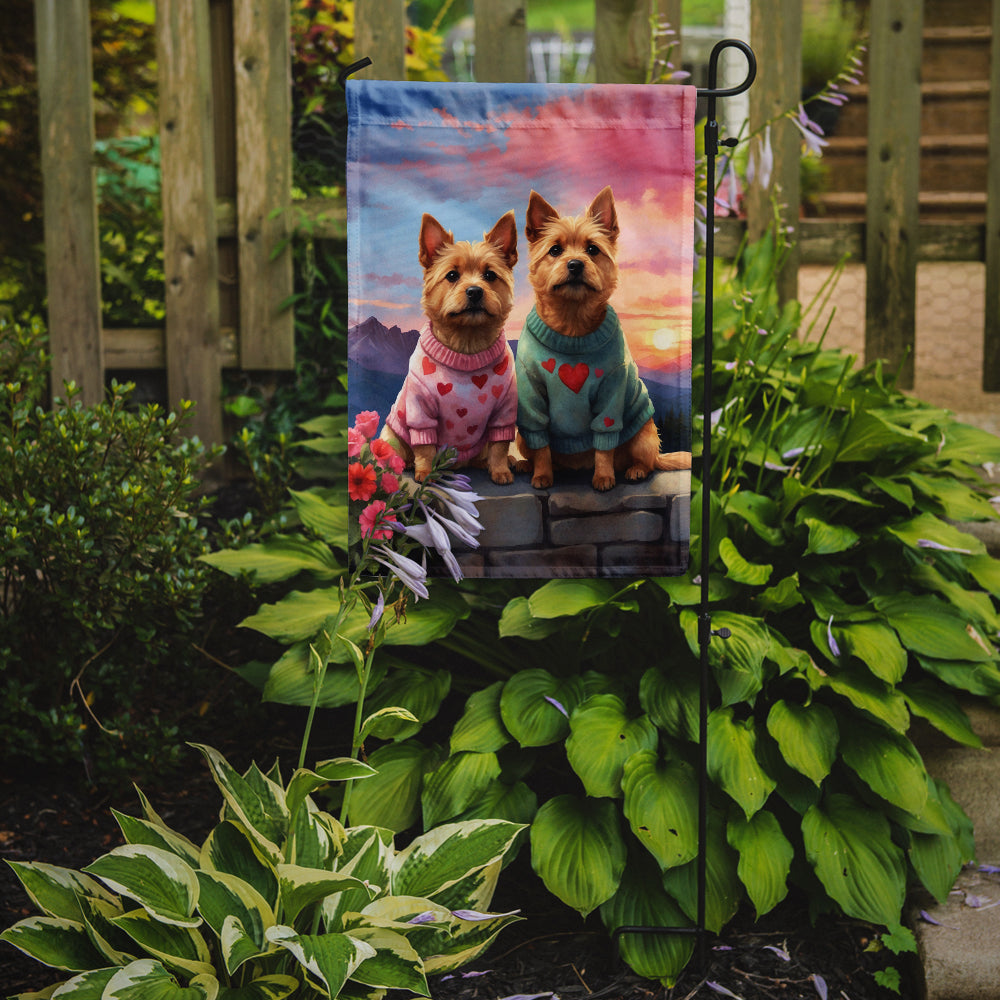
[315, 838]
[391, 799]
[765, 858]
[807, 736]
[476, 890]
[578, 851]
[274, 987]
[661, 805]
[850, 847]
[602, 737]
[395, 964]
[329, 959]
[888, 763]
[54, 941]
[367, 853]
[467, 940]
[141, 831]
[441, 857]
[99, 915]
[225, 897]
[481, 727]
[56, 891]
[535, 706]
[147, 979]
[177, 947]
[642, 902]
[732, 760]
[301, 887]
[304, 782]
[456, 784]
[86, 986]
[230, 849]
[158, 880]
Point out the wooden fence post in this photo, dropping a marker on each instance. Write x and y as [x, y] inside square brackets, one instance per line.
[776, 35]
[893, 183]
[622, 40]
[501, 41]
[262, 61]
[380, 34]
[991, 331]
[72, 254]
[190, 251]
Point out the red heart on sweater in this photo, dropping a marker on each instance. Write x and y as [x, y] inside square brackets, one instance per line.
[497, 391]
[461, 411]
[444, 388]
[449, 424]
[550, 365]
[482, 397]
[472, 428]
[608, 421]
[429, 367]
[573, 376]
[502, 367]
[480, 380]
[598, 372]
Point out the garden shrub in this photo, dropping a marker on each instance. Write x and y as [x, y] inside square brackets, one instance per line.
[855, 605]
[101, 584]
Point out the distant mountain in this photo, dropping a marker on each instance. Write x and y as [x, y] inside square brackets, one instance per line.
[374, 346]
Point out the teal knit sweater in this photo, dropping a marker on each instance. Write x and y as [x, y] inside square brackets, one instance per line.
[576, 393]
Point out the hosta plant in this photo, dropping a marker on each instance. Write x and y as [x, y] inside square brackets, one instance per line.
[279, 900]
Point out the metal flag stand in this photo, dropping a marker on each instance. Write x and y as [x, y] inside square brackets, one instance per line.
[705, 630]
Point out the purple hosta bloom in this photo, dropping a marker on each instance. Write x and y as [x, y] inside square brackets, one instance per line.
[820, 983]
[811, 132]
[927, 543]
[780, 952]
[760, 166]
[552, 701]
[719, 988]
[531, 996]
[377, 612]
[460, 506]
[927, 918]
[834, 648]
[465, 975]
[427, 917]
[432, 535]
[729, 201]
[411, 573]
[990, 869]
[475, 915]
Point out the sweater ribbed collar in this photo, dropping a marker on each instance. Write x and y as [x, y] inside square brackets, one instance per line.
[588, 344]
[444, 355]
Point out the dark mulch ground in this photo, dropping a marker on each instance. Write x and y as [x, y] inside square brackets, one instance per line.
[551, 952]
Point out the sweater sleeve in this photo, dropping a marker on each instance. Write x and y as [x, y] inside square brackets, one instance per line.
[532, 397]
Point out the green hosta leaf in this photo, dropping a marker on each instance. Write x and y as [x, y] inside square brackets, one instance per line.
[986, 571]
[976, 678]
[561, 598]
[888, 763]
[418, 691]
[807, 736]
[292, 680]
[975, 605]
[147, 979]
[230, 849]
[578, 851]
[671, 699]
[395, 964]
[864, 691]
[387, 723]
[738, 661]
[438, 859]
[425, 621]
[941, 709]
[931, 628]
[180, 948]
[54, 941]
[275, 987]
[684, 592]
[301, 887]
[327, 520]
[928, 528]
[661, 798]
[870, 436]
[56, 891]
[602, 738]
[876, 646]
[300, 615]
[535, 706]
[965, 443]
[226, 898]
[518, 621]
[723, 889]
[481, 728]
[732, 760]
[391, 798]
[894, 489]
[456, 784]
[516, 803]
[937, 859]
[142, 831]
[765, 858]
[783, 595]
[741, 571]
[760, 512]
[304, 782]
[641, 901]
[828, 539]
[330, 959]
[956, 501]
[279, 558]
[260, 806]
[850, 848]
[159, 881]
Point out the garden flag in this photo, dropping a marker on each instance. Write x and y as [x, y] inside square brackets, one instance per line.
[520, 265]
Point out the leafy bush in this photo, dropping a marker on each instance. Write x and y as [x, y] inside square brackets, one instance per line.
[279, 899]
[855, 604]
[99, 546]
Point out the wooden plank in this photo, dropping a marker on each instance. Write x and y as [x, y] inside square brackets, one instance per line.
[501, 37]
[380, 34]
[72, 256]
[776, 36]
[622, 40]
[262, 62]
[893, 184]
[190, 253]
[991, 331]
[144, 348]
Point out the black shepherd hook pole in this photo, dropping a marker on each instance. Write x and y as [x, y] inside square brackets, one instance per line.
[353, 68]
[705, 632]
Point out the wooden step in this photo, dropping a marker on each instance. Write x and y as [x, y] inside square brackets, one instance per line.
[956, 53]
[945, 12]
[957, 206]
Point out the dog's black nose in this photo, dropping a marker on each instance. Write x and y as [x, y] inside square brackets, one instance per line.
[575, 267]
[474, 293]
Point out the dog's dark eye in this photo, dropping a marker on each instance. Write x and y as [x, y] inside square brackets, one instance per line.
[593, 249]
[489, 275]
[452, 276]
[555, 250]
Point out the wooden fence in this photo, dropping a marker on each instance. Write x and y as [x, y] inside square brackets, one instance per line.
[226, 161]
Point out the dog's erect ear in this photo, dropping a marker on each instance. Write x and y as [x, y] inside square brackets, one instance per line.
[504, 237]
[433, 236]
[540, 212]
[602, 209]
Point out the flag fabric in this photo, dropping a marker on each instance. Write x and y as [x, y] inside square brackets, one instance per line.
[467, 154]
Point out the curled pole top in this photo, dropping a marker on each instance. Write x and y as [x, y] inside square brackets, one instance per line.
[712, 90]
